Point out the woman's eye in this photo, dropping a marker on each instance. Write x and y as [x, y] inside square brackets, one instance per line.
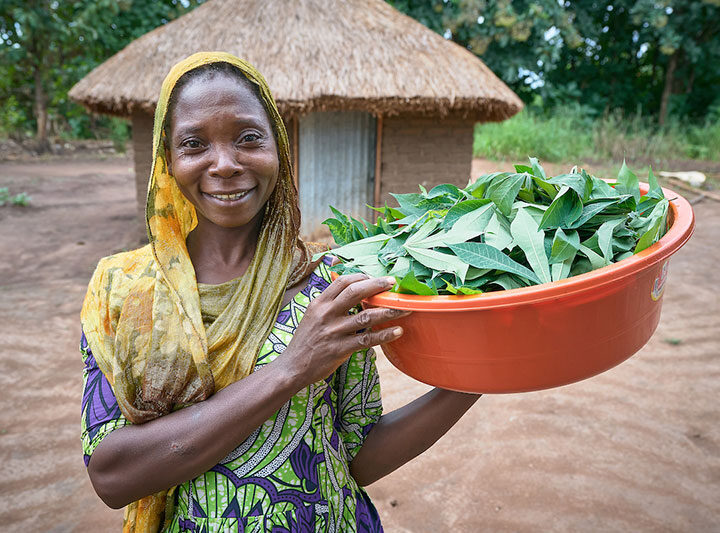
[192, 144]
[250, 137]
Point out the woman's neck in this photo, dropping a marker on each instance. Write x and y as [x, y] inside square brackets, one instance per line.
[221, 254]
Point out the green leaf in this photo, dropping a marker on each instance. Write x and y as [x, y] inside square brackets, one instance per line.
[438, 261]
[604, 237]
[530, 238]
[390, 213]
[590, 210]
[475, 273]
[564, 246]
[576, 182]
[470, 224]
[497, 233]
[507, 282]
[409, 203]
[654, 232]
[463, 289]
[628, 183]
[477, 188]
[340, 232]
[368, 264]
[482, 255]
[565, 209]
[504, 191]
[368, 246]
[461, 209]
[537, 169]
[562, 269]
[654, 191]
[602, 189]
[410, 285]
[446, 189]
[596, 260]
[425, 230]
[393, 248]
[400, 268]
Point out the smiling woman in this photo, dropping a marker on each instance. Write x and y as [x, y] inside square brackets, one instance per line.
[227, 385]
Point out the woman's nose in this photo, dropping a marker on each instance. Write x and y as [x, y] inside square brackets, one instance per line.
[225, 163]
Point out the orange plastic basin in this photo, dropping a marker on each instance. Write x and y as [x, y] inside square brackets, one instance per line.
[541, 336]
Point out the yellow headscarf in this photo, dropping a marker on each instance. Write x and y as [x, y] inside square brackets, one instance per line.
[142, 316]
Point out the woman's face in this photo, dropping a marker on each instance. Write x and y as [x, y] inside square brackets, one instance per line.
[222, 151]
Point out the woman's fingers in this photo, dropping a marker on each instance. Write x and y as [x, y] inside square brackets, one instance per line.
[370, 317]
[368, 338]
[357, 291]
[337, 286]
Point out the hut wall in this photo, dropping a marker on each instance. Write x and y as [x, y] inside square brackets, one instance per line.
[426, 151]
[142, 131]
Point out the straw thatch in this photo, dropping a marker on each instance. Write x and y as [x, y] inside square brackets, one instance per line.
[316, 55]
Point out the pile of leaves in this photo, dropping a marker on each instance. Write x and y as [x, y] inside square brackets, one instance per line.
[503, 231]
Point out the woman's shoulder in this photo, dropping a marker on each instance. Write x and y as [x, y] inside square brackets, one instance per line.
[128, 262]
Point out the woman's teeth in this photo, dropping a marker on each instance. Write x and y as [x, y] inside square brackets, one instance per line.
[235, 196]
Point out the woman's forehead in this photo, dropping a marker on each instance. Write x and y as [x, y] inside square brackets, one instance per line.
[206, 96]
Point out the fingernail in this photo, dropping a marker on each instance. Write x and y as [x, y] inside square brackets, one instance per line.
[389, 281]
[397, 332]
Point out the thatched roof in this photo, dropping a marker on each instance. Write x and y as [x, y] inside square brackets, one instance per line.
[316, 55]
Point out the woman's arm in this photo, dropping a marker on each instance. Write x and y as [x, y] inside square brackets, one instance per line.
[138, 460]
[405, 433]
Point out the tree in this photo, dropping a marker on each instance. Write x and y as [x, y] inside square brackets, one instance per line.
[48, 45]
[519, 40]
[647, 56]
[636, 53]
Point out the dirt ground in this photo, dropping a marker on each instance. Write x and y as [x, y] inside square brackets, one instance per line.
[636, 449]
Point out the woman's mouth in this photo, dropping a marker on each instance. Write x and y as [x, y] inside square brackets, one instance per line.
[229, 197]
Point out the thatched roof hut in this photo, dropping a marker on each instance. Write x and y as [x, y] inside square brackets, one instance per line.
[342, 65]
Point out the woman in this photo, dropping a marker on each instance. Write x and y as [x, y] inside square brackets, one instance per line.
[228, 385]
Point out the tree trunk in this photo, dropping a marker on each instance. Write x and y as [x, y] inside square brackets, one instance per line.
[41, 114]
[669, 73]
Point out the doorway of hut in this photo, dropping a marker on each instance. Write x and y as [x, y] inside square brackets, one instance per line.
[335, 165]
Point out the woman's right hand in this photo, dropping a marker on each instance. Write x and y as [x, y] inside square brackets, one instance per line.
[327, 335]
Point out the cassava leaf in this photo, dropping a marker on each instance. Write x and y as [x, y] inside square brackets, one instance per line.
[485, 256]
[503, 192]
[628, 183]
[410, 285]
[463, 208]
[564, 245]
[565, 209]
[530, 238]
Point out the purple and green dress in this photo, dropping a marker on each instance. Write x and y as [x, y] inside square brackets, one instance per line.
[292, 473]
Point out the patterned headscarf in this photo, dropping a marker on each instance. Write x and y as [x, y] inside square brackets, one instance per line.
[142, 316]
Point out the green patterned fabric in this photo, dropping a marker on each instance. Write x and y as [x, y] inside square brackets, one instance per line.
[292, 473]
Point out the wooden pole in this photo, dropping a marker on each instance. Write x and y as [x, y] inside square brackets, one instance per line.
[378, 162]
[296, 150]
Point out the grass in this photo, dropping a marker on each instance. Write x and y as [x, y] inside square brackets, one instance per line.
[21, 199]
[569, 135]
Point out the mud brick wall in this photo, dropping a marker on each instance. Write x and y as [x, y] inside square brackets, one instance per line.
[427, 151]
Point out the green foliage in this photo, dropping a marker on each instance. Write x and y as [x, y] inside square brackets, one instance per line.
[46, 46]
[561, 136]
[509, 36]
[605, 55]
[505, 230]
[21, 199]
[572, 134]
